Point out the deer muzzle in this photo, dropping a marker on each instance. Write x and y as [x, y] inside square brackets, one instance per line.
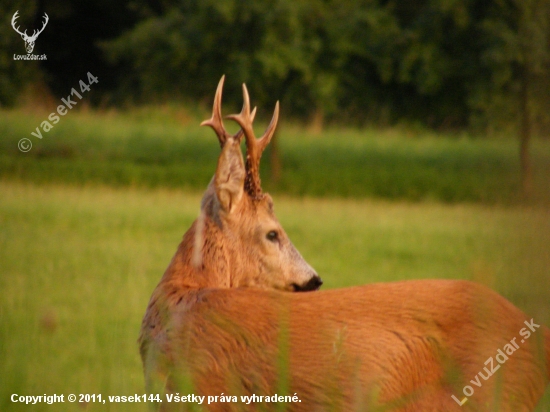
[312, 284]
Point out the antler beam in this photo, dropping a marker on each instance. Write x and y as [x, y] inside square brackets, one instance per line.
[13, 20]
[37, 32]
[255, 147]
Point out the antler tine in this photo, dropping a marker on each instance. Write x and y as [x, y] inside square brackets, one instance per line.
[13, 22]
[37, 32]
[245, 119]
[270, 131]
[254, 146]
[216, 121]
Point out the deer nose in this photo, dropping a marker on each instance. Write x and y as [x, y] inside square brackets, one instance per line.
[313, 284]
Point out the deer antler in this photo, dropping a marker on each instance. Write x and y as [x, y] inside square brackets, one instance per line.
[254, 146]
[37, 32]
[14, 18]
[216, 122]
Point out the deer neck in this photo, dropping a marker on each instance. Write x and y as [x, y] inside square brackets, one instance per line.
[202, 260]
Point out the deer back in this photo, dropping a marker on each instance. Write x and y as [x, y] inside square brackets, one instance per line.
[410, 346]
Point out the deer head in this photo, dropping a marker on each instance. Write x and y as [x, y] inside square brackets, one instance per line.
[237, 241]
[29, 40]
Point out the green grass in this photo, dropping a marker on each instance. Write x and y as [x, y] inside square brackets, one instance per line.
[78, 264]
[152, 149]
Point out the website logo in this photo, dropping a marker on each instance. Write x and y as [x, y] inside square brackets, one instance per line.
[29, 40]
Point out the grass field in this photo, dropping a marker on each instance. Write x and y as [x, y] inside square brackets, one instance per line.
[78, 264]
[91, 216]
[163, 149]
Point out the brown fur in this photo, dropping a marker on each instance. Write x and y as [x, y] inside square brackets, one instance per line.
[220, 321]
[406, 345]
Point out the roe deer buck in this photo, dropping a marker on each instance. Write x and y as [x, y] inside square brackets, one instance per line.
[411, 346]
[236, 241]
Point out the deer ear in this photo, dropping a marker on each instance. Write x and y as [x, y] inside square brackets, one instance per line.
[230, 174]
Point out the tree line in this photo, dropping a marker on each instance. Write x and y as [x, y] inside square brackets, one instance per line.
[449, 64]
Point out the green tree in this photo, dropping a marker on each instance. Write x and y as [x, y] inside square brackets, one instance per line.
[518, 55]
[445, 63]
[281, 48]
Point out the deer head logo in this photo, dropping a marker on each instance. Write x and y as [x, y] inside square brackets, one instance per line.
[29, 40]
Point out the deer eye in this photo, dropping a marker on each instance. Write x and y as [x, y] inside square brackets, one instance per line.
[272, 236]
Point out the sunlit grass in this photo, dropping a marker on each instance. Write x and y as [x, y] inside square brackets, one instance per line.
[78, 265]
[151, 148]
